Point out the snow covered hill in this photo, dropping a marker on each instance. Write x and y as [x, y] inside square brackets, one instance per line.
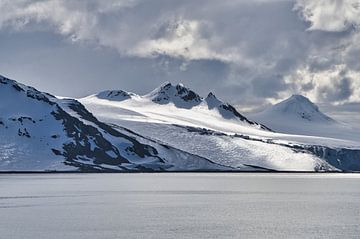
[298, 115]
[41, 132]
[173, 104]
[299, 107]
[216, 131]
[170, 129]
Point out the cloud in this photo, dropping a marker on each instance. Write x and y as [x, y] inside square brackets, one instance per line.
[251, 52]
[186, 39]
[110, 24]
[337, 84]
[330, 15]
[331, 68]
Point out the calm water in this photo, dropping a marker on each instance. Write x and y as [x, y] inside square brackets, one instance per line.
[94, 206]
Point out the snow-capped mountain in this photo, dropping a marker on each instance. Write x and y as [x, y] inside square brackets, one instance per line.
[180, 104]
[215, 130]
[118, 95]
[298, 115]
[179, 95]
[298, 107]
[183, 97]
[170, 129]
[41, 132]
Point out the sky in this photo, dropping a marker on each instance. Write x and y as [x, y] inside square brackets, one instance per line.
[249, 53]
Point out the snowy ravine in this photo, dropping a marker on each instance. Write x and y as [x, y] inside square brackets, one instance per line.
[208, 127]
[40, 132]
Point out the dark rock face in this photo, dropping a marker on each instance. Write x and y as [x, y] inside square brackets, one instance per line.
[162, 96]
[18, 88]
[201, 131]
[181, 96]
[139, 149]
[24, 132]
[225, 109]
[89, 143]
[115, 95]
[344, 159]
[187, 94]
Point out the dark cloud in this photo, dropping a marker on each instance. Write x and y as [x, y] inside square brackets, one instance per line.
[247, 52]
[339, 91]
[268, 87]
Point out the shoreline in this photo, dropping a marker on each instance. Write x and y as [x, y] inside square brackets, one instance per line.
[174, 172]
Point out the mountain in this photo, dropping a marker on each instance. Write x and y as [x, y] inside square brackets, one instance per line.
[170, 129]
[298, 115]
[117, 95]
[215, 130]
[179, 95]
[185, 105]
[41, 132]
[299, 108]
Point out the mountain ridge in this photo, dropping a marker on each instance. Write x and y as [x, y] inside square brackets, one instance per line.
[41, 132]
[181, 97]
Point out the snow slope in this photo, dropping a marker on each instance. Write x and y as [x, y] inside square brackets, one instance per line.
[298, 115]
[41, 132]
[170, 129]
[174, 104]
[198, 126]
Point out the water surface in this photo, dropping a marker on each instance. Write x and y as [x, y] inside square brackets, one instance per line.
[188, 205]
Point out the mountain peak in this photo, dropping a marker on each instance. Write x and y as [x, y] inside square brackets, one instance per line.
[212, 101]
[28, 91]
[301, 107]
[301, 98]
[165, 85]
[298, 96]
[115, 95]
[179, 95]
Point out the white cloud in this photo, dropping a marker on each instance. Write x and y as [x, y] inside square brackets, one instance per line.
[183, 39]
[331, 69]
[108, 24]
[330, 15]
[336, 84]
[265, 46]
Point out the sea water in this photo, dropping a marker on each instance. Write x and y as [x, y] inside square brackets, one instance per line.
[179, 205]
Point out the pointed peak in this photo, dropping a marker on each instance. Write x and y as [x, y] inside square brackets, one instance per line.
[178, 94]
[296, 100]
[299, 97]
[163, 87]
[211, 95]
[212, 101]
[115, 95]
[301, 107]
[166, 84]
[181, 87]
